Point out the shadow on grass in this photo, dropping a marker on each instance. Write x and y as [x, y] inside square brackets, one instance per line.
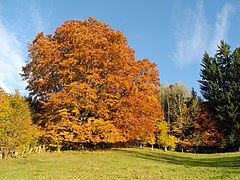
[224, 162]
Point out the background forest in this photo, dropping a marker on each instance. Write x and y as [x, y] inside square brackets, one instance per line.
[87, 90]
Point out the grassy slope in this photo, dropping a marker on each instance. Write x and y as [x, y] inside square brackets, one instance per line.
[122, 164]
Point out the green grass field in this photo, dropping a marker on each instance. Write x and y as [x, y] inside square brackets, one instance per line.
[122, 164]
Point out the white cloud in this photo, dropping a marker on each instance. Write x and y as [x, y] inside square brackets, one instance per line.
[2, 84]
[11, 60]
[14, 36]
[197, 36]
[36, 17]
[191, 38]
[221, 26]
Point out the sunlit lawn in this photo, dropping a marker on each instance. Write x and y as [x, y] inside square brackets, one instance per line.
[122, 164]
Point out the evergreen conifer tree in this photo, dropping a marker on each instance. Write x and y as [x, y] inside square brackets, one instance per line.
[220, 86]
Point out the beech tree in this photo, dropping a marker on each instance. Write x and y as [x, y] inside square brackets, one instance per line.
[85, 77]
[205, 133]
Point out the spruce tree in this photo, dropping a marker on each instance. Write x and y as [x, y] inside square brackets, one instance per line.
[220, 87]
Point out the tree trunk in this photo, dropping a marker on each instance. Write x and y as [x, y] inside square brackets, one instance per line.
[24, 150]
[31, 149]
[58, 148]
[44, 148]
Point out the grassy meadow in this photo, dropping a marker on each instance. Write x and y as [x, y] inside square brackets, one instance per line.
[122, 164]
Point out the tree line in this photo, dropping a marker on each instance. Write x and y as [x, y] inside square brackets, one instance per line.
[17, 131]
[87, 90]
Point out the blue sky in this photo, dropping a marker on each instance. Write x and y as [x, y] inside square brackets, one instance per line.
[172, 33]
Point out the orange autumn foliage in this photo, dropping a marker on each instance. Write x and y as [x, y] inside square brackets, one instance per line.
[87, 86]
[206, 126]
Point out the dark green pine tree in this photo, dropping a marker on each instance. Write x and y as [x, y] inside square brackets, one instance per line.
[220, 85]
[234, 89]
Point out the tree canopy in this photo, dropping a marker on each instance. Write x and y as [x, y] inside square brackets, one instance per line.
[86, 86]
